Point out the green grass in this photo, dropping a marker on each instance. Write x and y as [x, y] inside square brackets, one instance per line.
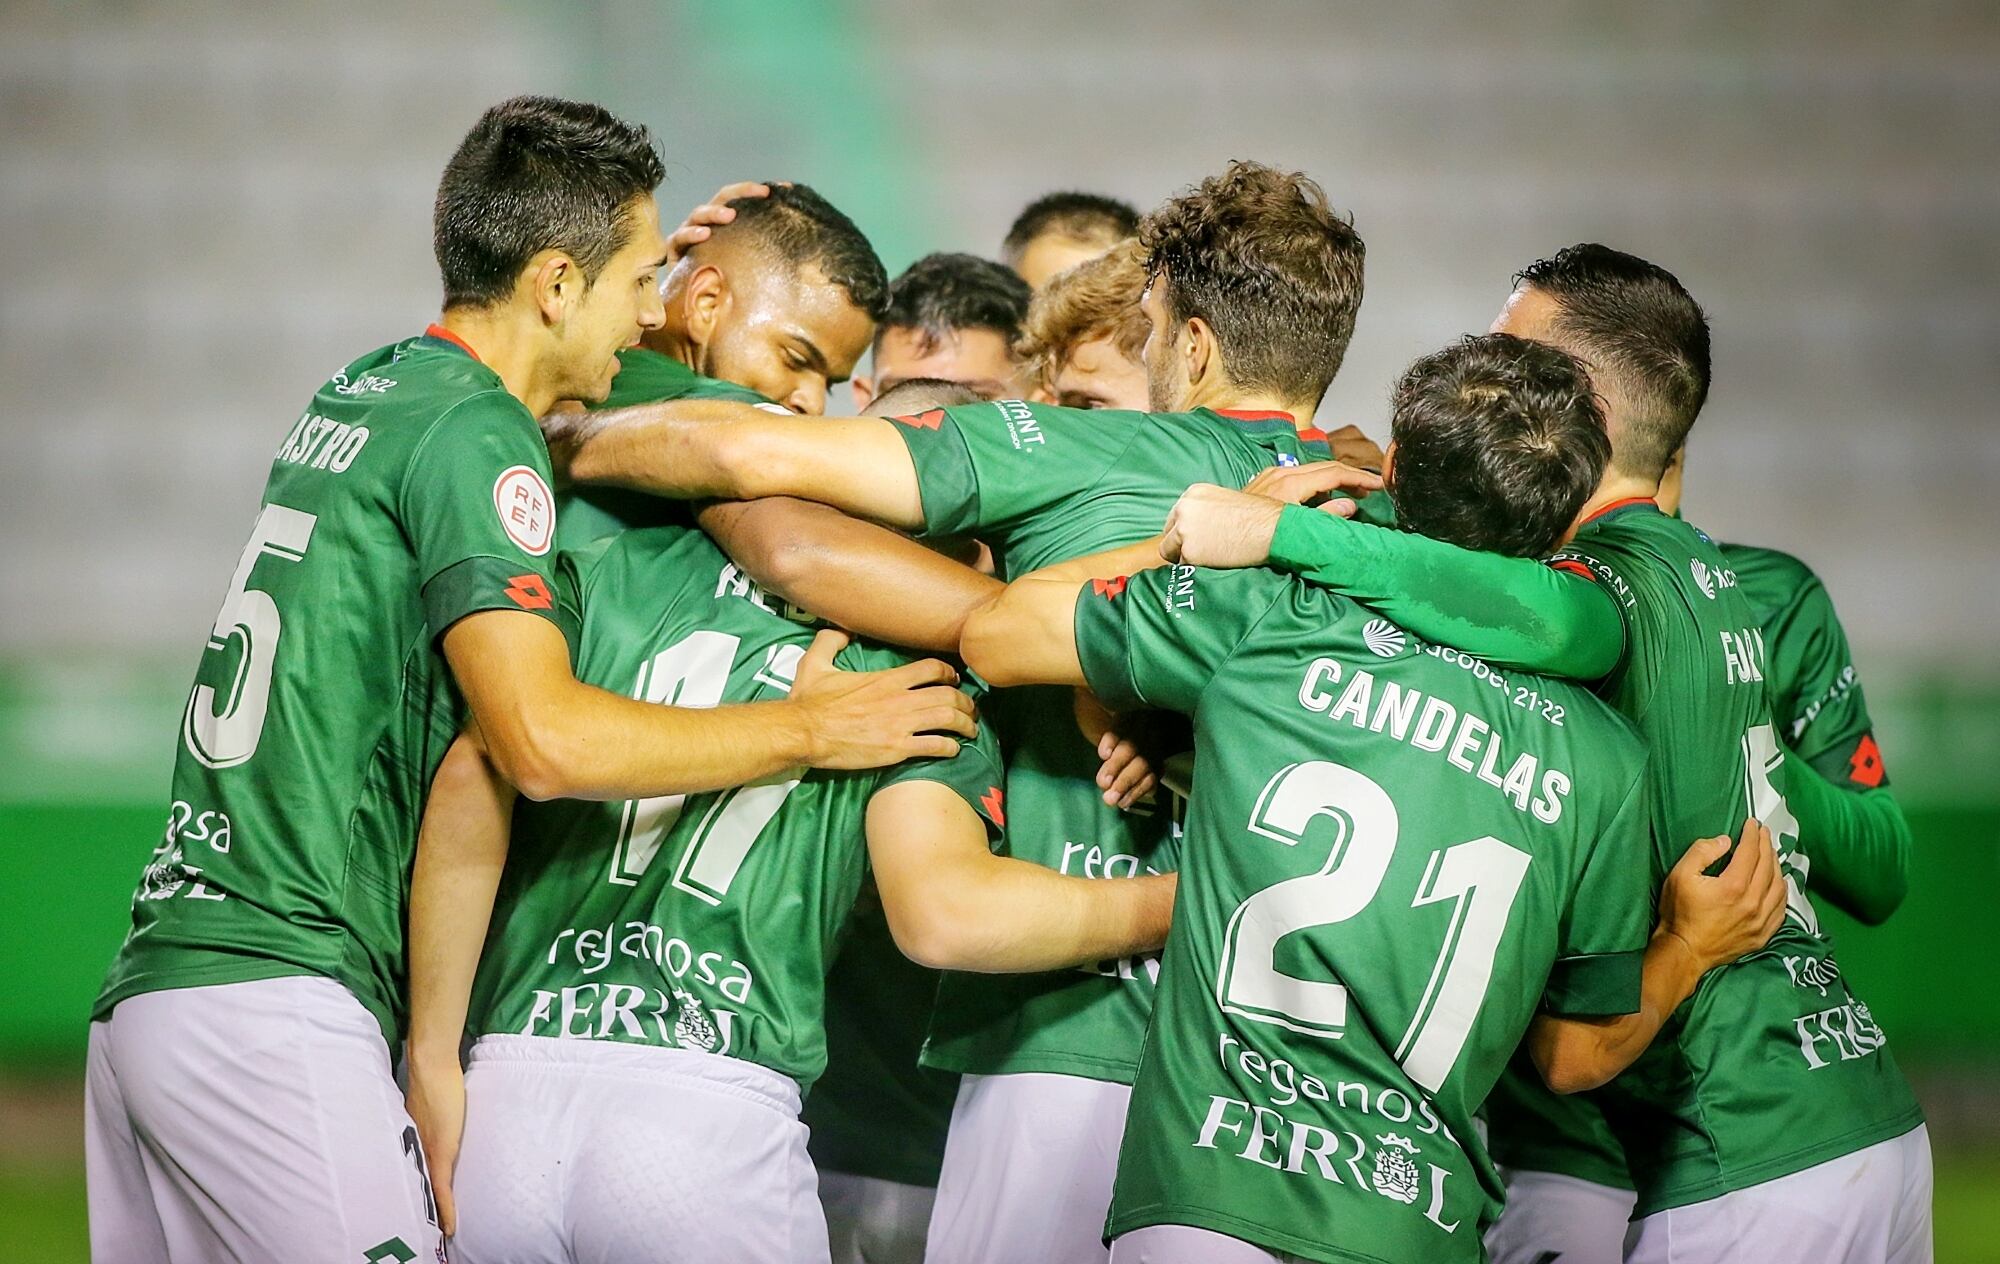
[42, 1211]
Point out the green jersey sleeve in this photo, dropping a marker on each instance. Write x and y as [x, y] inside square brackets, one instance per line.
[1156, 639]
[1819, 705]
[1602, 950]
[994, 464]
[975, 775]
[477, 509]
[1507, 610]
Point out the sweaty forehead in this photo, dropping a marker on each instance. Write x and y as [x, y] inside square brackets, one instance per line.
[962, 355]
[800, 300]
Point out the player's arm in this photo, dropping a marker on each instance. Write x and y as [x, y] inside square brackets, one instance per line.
[1513, 612]
[461, 850]
[693, 449]
[953, 905]
[1850, 824]
[554, 737]
[1025, 633]
[1858, 839]
[866, 578]
[1704, 922]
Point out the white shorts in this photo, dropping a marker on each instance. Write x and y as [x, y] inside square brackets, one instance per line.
[1549, 1216]
[1027, 1170]
[873, 1221]
[590, 1150]
[1869, 1207]
[251, 1122]
[1185, 1244]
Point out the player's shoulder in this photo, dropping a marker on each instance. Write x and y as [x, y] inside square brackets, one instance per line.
[1028, 421]
[422, 380]
[654, 558]
[646, 376]
[1770, 576]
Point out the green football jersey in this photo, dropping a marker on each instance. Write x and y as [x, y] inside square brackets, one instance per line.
[1773, 1065]
[876, 1112]
[1041, 484]
[645, 376]
[702, 921]
[414, 491]
[1395, 857]
[1816, 695]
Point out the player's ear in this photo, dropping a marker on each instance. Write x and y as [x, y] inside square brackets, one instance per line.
[1203, 360]
[864, 393]
[555, 284]
[704, 301]
[1389, 466]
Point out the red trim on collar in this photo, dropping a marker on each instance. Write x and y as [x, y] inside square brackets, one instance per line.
[1245, 414]
[439, 331]
[1313, 434]
[1620, 504]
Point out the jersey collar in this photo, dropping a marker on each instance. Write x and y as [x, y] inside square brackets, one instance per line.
[1620, 506]
[445, 335]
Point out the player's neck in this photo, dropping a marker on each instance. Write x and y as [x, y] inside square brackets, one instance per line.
[670, 342]
[1230, 400]
[503, 343]
[1618, 487]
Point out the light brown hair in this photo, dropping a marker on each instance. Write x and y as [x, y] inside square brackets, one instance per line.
[1098, 298]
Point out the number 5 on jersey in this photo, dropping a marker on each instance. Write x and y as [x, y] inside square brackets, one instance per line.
[1480, 878]
[222, 730]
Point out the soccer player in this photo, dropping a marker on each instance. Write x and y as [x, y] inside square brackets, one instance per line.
[1398, 861]
[648, 1005]
[1060, 230]
[952, 317]
[1772, 1124]
[240, 1101]
[1084, 338]
[1256, 283]
[772, 307]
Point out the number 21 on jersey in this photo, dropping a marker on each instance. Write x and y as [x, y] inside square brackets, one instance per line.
[1479, 878]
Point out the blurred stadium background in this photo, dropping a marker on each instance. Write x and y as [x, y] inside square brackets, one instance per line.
[209, 205]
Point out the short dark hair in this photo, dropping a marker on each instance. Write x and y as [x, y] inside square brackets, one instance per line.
[915, 394]
[942, 293]
[1089, 217]
[1637, 322]
[804, 228]
[1274, 270]
[535, 174]
[1499, 442]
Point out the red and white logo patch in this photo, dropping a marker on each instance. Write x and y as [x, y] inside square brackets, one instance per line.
[527, 509]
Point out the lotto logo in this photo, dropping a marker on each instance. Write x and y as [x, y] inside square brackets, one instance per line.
[993, 801]
[929, 419]
[529, 592]
[1110, 589]
[527, 509]
[1864, 766]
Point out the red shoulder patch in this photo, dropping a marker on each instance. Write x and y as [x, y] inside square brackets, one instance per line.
[1864, 766]
[994, 802]
[1110, 589]
[1573, 567]
[929, 419]
[529, 592]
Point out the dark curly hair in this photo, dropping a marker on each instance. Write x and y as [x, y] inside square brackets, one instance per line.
[802, 228]
[1499, 442]
[1635, 322]
[943, 293]
[535, 174]
[1274, 270]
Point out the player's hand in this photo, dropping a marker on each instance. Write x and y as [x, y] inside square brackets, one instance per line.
[1736, 911]
[703, 219]
[1213, 526]
[874, 719]
[1351, 447]
[1320, 483]
[436, 1101]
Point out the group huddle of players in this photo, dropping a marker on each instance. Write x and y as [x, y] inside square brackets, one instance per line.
[547, 880]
